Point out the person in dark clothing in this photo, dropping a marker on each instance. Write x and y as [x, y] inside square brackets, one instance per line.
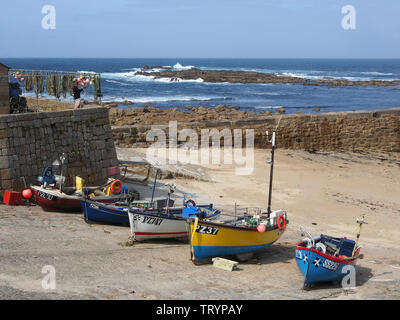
[77, 95]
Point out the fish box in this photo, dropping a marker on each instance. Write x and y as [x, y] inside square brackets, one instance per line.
[12, 198]
[347, 247]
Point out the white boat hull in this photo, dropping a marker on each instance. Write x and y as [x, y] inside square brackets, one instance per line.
[145, 226]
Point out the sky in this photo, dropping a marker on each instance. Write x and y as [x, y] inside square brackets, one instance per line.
[200, 29]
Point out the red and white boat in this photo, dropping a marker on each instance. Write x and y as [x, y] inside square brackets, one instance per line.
[52, 199]
[53, 195]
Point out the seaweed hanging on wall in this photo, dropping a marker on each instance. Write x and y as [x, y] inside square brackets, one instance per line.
[97, 88]
[57, 83]
[39, 89]
[64, 85]
[50, 85]
[28, 82]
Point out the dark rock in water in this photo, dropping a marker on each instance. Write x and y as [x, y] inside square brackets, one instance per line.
[116, 104]
[127, 103]
[154, 67]
[231, 76]
[150, 67]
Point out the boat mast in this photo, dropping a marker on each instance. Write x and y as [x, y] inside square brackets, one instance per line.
[271, 161]
[154, 188]
[271, 172]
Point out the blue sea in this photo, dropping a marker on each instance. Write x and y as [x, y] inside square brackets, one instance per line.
[120, 82]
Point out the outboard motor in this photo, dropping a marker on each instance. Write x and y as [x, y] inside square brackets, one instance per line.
[49, 178]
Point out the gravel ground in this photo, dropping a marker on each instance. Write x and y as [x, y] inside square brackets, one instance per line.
[91, 262]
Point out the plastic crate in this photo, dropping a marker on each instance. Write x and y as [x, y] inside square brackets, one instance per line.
[113, 171]
[12, 198]
[332, 242]
[346, 247]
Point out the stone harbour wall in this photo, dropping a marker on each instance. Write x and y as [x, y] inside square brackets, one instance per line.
[29, 142]
[4, 94]
[347, 131]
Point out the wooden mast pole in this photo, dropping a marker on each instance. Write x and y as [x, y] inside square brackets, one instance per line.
[272, 165]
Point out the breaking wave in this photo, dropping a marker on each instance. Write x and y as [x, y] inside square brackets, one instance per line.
[178, 66]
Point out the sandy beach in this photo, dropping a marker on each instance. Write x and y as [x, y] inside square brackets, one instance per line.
[325, 192]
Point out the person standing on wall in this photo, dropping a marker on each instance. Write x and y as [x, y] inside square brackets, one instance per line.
[77, 95]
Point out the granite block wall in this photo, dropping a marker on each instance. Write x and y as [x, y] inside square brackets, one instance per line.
[348, 131]
[31, 141]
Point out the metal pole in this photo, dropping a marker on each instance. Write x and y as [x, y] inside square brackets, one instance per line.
[272, 172]
[154, 188]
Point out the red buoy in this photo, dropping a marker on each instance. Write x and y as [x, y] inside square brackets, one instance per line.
[27, 193]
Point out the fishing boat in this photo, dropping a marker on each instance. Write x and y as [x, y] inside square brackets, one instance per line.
[325, 258]
[241, 237]
[250, 230]
[169, 222]
[53, 195]
[117, 213]
[69, 199]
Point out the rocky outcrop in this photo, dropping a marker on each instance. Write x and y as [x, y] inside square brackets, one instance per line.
[255, 77]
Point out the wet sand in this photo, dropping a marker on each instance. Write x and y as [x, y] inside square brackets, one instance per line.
[325, 192]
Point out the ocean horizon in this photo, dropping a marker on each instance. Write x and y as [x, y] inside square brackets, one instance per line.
[120, 82]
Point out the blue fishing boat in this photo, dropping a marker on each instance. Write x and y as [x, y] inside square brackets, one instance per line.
[103, 213]
[117, 213]
[325, 258]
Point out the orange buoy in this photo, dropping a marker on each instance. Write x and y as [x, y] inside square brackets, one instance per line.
[116, 187]
[27, 194]
[281, 223]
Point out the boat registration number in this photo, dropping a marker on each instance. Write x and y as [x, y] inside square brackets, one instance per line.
[47, 196]
[207, 230]
[151, 220]
[330, 265]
